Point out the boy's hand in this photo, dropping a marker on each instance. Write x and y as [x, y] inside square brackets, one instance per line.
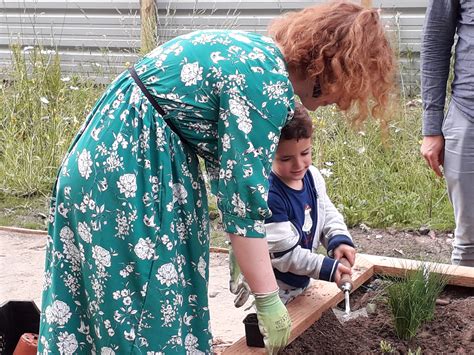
[346, 251]
[341, 269]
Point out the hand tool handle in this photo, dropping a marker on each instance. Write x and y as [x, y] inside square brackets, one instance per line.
[345, 278]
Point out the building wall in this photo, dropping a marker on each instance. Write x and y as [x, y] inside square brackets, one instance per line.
[97, 38]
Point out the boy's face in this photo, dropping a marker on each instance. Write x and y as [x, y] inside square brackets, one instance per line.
[292, 159]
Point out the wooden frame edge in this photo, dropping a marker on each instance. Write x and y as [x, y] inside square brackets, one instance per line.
[384, 265]
[309, 307]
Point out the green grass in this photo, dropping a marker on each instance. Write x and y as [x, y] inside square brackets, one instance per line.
[370, 183]
[24, 212]
[412, 299]
[41, 111]
[380, 184]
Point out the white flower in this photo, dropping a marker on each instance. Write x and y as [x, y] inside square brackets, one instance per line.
[202, 267]
[129, 335]
[84, 231]
[238, 108]
[106, 351]
[66, 234]
[135, 96]
[191, 73]
[167, 274]
[259, 226]
[241, 231]
[239, 205]
[67, 343]
[244, 124]
[62, 210]
[325, 172]
[58, 312]
[101, 256]
[275, 91]
[361, 150]
[191, 343]
[44, 100]
[179, 193]
[127, 185]
[225, 142]
[65, 79]
[84, 163]
[145, 249]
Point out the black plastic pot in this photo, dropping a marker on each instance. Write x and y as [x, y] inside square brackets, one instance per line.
[17, 318]
[252, 332]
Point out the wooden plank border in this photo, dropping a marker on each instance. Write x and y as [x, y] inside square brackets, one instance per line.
[321, 296]
[458, 275]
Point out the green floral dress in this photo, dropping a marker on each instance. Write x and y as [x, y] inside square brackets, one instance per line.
[128, 244]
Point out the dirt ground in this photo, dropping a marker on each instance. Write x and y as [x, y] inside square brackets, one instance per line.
[423, 244]
[451, 331]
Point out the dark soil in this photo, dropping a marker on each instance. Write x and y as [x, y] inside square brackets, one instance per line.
[450, 332]
[422, 244]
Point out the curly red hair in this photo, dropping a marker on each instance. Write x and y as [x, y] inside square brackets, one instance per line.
[345, 46]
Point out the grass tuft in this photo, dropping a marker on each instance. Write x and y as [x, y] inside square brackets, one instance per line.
[412, 300]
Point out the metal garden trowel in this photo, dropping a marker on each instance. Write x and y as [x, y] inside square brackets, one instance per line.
[345, 285]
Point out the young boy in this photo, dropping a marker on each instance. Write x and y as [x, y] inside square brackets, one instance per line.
[303, 217]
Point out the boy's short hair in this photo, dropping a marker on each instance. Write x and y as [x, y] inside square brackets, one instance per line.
[300, 126]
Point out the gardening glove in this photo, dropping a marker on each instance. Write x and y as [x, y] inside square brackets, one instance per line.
[273, 320]
[237, 284]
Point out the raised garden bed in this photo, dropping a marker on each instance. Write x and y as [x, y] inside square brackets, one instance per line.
[450, 332]
[317, 302]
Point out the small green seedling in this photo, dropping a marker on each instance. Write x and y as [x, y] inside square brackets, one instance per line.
[416, 352]
[386, 347]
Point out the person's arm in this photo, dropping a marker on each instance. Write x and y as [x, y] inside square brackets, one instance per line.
[335, 236]
[254, 261]
[437, 41]
[288, 256]
[438, 37]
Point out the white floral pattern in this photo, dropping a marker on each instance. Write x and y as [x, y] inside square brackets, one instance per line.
[167, 274]
[191, 73]
[128, 248]
[59, 313]
[67, 343]
[145, 249]
[84, 164]
[127, 185]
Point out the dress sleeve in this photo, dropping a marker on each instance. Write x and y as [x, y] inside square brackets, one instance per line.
[253, 109]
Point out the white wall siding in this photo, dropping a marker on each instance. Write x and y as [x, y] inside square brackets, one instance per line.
[93, 36]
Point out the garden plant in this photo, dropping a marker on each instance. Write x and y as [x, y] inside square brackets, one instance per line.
[412, 299]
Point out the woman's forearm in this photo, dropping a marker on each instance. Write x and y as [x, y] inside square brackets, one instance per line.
[254, 261]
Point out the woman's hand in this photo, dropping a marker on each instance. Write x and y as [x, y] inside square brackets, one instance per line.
[254, 260]
[273, 320]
